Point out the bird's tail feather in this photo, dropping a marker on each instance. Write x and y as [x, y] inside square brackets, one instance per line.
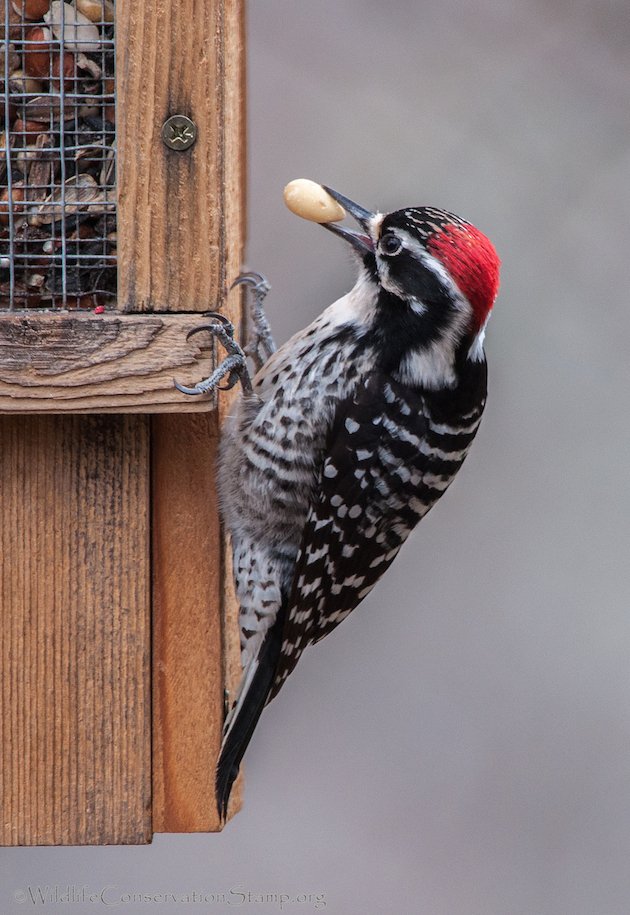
[242, 720]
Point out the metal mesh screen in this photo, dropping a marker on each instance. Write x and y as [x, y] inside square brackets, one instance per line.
[57, 154]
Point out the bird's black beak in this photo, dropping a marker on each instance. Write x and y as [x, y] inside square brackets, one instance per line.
[361, 241]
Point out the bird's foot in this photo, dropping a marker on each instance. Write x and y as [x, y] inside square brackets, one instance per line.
[260, 345]
[234, 366]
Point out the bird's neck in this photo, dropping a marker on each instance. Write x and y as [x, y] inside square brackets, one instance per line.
[419, 344]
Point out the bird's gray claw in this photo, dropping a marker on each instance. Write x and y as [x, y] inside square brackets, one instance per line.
[223, 327]
[256, 280]
[260, 345]
[185, 390]
[234, 366]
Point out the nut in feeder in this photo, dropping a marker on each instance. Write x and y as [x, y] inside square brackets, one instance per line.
[57, 187]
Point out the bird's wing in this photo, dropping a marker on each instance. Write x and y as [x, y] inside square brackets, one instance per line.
[386, 464]
[373, 487]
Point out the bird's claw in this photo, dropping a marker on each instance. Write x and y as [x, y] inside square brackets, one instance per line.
[223, 326]
[256, 280]
[186, 390]
[234, 366]
[259, 348]
[261, 343]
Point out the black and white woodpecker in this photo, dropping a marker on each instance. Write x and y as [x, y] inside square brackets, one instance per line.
[346, 437]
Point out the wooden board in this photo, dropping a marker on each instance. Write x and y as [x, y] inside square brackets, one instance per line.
[74, 630]
[61, 363]
[196, 637]
[187, 625]
[173, 58]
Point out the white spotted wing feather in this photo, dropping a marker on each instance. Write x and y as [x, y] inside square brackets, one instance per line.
[384, 469]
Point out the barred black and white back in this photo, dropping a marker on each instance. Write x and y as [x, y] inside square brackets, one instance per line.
[352, 432]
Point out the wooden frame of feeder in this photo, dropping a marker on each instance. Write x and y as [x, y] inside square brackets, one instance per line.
[118, 630]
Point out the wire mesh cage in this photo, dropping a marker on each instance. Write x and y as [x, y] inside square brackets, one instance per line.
[57, 154]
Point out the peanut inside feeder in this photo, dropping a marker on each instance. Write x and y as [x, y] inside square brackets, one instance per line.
[57, 154]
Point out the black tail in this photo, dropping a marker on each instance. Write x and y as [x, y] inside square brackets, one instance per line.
[253, 701]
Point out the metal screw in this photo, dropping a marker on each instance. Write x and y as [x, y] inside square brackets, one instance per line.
[179, 132]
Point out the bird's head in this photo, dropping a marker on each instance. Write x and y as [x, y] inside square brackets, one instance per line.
[437, 264]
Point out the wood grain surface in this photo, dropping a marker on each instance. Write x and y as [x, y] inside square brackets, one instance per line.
[58, 363]
[74, 630]
[196, 637]
[78, 491]
[172, 58]
[187, 625]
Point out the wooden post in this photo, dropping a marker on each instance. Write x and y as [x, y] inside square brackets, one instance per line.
[192, 653]
[74, 635]
[112, 553]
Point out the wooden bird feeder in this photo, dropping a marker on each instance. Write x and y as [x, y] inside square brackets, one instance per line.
[121, 224]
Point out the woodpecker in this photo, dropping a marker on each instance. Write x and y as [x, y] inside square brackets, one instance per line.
[345, 438]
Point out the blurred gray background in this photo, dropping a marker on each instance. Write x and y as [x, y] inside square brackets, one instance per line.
[461, 745]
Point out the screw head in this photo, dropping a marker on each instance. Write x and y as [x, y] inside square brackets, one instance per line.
[179, 132]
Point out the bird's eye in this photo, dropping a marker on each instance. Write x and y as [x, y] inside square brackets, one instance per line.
[390, 244]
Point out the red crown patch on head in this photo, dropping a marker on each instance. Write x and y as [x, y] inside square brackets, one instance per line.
[472, 261]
